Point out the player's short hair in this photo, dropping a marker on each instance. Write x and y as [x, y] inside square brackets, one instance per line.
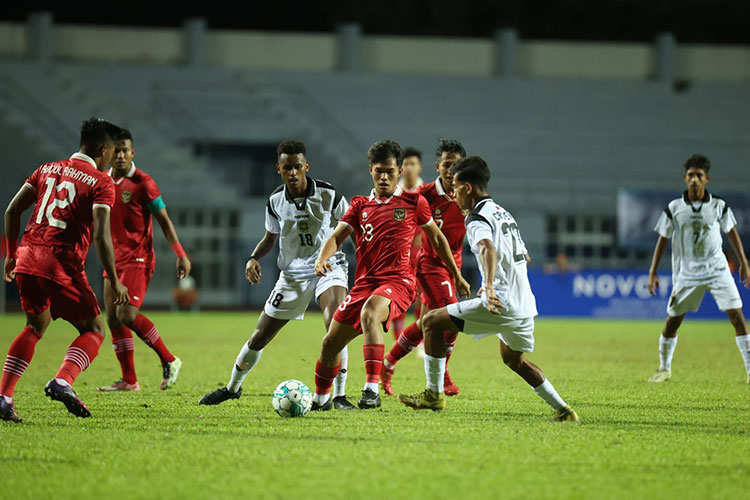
[449, 146]
[291, 147]
[412, 152]
[698, 161]
[471, 169]
[96, 132]
[382, 150]
[124, 135]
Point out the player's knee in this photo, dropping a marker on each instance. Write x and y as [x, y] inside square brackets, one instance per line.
[429, 320]
[126, 315]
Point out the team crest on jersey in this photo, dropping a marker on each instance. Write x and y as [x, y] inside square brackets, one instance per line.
[399, 214]
[126, 196]
[364, 215]
[303, 226]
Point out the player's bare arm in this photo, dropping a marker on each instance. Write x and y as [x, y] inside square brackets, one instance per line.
[653, 279]
[252, 268]
[24, 198]
[339, 235]
[102, 238]
[183, 263]
[488, 260]
[443, 249]
[734, 239]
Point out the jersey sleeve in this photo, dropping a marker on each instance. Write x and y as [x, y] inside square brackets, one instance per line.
[33, 179]
[351, 216]
[273, 224]
[664, 225]
[424, 214]
[154, 201]
[339, 208]
[727, 219]
[104, 192]
[478, 229]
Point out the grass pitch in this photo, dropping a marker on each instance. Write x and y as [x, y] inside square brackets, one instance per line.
[688, 438]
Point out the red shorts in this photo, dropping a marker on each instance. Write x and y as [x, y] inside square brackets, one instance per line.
[438, 287]
[73, 303]
[137, 280]
[401, 295]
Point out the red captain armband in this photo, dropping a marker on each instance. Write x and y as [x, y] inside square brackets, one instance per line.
[178, 251]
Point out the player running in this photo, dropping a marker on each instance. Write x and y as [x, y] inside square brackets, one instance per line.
[384, 284]
[505, 308]
[70, 197]
[137, 197]
[694, 223]
[303, 212]
[434, 278]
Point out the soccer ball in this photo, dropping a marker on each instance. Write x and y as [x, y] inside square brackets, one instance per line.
[292, 398]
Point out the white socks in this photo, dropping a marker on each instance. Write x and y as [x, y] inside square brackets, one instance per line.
[666, 351]
[246, 361]
[550, 396]
[339, 383]
[434, 370]
[321, 398]
[743, 344]
[373, 386]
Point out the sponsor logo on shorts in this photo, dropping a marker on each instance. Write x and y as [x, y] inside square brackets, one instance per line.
[399, 214]
[136, 298]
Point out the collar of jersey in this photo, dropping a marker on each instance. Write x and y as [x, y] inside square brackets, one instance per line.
[310, 190]
[480, 203]
[397, 192]
[441, 191]
[83, 157]
[130, 173]
[686, 198]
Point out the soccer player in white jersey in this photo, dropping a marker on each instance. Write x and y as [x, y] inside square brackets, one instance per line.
[694, 223]
[505, 307]
[304, 212]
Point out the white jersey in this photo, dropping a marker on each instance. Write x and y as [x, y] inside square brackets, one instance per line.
[490, 221]
[695, 230]
[304, 224]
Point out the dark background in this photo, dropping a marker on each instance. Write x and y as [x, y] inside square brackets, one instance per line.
[692, 21]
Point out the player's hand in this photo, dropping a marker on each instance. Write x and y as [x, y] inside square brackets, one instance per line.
[10, 266]
[653, 283]
[463, 289]
[120, 293]
[744, 275]
[322, 267]
[183, 267]
[252, 271]
[493, 303]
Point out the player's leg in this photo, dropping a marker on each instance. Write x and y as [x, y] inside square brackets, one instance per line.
[533, 375]
[741, 336]
[727, 297]
[434, 324]
[409, 340]
[375, 313]
[122, 342]
[339, 335]
[329, 302]
[265, 331]
[19, 356]
[667, 344]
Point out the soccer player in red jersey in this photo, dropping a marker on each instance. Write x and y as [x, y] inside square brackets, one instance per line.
[434, 278]
[70, 197]
[384, 224]
[137, 198]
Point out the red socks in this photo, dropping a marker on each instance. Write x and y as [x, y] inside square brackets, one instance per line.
[122, 342]
[324, 376]
[19, 356]
[146, 330]
[80, 354]
[407, 341]
[373, 361]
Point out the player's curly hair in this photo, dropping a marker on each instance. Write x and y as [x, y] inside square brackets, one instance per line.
[471, 169]
[412, 152]
[291, 147]
[449, 146]
[698, 161]
[382, 150]
[96, 132]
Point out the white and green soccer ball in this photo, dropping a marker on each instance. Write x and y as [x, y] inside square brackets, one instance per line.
[292, 398]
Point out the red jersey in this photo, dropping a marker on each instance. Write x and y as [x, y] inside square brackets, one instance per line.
[57, 237]
[449, 219]
[136, 197]
[385, 229]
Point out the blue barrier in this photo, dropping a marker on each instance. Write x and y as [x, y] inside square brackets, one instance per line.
[611, 294]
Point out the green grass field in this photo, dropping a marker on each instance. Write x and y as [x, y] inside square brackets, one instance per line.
[688, 438]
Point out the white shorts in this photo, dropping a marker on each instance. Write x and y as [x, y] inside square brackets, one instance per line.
[292, 293]
[479, 322]
[688, 296]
